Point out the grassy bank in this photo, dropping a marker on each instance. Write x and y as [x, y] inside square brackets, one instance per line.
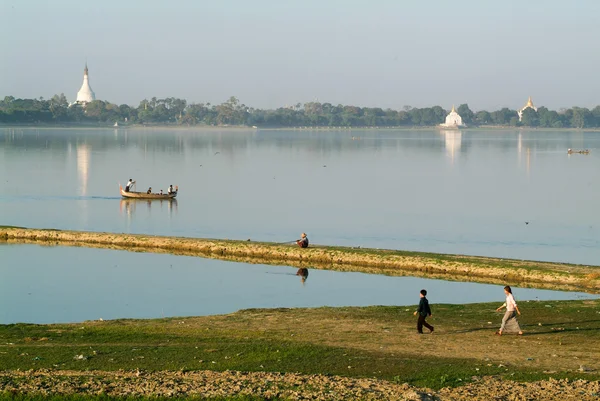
[87, 397]
[561, 340]
[389, 262]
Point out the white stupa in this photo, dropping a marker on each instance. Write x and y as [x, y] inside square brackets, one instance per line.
[453, 119]
[85, 94]
[529, 105]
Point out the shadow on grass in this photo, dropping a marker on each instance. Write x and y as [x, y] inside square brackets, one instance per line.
[555, 328]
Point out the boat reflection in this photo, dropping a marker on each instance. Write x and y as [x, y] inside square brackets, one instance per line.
[129, 206]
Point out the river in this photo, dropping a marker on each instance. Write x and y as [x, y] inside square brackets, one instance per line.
[505, 193]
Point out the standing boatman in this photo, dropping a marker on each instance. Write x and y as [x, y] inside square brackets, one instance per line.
[129, 185]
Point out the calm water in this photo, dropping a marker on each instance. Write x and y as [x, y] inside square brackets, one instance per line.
[62, 284]
[465, 192]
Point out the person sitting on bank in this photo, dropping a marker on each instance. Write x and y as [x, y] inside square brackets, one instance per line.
[303, 241]
[129, 185]
[170, 190]
[149, 190]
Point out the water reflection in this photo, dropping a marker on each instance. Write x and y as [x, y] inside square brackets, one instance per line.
[453, 142]
[520, 154]
[303, 273]
[390, 189]
[128, 207]
[83, 167]
[179, 142]
[145, 285]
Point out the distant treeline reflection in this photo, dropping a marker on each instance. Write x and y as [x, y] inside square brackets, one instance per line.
[173, 111]
[185, 144]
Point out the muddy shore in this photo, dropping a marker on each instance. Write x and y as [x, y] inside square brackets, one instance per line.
[546, 275]
[287, 386]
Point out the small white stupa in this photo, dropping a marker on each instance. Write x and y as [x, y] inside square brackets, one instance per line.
[85, 94]
[529, 105]
[453, 120]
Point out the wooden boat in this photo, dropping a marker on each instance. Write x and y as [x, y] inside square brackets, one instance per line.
[144, 195]
[582, 152]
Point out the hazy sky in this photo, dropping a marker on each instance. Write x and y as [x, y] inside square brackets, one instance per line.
[270, 53]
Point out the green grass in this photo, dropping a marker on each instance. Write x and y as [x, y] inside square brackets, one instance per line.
[377, 342]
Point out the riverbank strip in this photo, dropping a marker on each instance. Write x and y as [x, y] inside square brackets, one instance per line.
[363, 353]
[546, 275]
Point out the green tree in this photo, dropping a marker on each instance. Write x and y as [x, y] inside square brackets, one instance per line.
[596, 116]
[483, 117]
[504, 116]
[58, 107]
[466, 114]
[530, 118]
[547, 118]
[439, 114]
[581, 117]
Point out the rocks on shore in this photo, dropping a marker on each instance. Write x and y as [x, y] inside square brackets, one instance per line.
[281, 385]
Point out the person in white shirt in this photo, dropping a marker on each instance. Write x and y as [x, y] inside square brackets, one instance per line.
[129, 185]
[509, 321]
[170, 190]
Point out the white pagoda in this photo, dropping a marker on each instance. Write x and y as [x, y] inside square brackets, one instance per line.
[85, 94]
[453, 120]
[529, 105]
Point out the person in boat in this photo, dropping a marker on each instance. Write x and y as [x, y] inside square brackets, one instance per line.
[161, 192]
[129, 185]
[303, 241]
[149, 191]
[170, 190]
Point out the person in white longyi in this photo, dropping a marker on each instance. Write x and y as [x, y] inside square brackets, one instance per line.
[509, 321]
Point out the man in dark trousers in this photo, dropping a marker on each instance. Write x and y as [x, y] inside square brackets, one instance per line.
[423, 311]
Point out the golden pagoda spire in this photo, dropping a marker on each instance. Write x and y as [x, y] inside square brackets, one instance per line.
[529, 103]
[453, 110]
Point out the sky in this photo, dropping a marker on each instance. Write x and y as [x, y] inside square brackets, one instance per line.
[272, 53]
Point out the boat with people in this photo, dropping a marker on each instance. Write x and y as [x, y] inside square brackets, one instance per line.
[582, 152]
[127, 193]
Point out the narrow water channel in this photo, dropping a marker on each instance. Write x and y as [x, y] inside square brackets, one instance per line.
[41, 284]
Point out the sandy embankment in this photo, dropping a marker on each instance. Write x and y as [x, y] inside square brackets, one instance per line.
[450, 267]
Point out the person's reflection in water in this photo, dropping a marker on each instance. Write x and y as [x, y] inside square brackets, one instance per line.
[126, 207]
[303, 273]
[172, 205]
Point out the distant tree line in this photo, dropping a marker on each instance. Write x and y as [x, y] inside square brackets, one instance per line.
[175, 111]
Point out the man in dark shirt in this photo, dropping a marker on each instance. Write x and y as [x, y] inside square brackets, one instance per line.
[423, 311]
